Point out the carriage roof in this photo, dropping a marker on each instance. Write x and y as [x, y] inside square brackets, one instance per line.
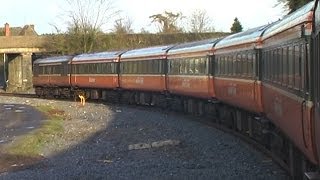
[198, 46]
[298, 17]
[145, 52]
[248, 36]
[108, 55]
[57, 59]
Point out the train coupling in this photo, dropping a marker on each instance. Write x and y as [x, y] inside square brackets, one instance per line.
[312, 175]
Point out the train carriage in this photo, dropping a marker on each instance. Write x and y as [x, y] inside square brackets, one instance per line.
[95, 73]
[190, 71]
[237, 69]
[315, 75]
[286, 96]
[51, 75]
[142, 71]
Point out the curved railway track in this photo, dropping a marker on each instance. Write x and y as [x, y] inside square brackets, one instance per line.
[212, 122]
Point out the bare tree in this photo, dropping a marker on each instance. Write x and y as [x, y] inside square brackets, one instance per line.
[144, 31]
[123, 26]
[167, 22]
[200, 22]
[86, 18]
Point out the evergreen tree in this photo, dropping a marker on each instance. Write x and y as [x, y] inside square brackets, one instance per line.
[236, 26]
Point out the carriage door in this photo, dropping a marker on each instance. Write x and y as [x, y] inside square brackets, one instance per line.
[315, 78]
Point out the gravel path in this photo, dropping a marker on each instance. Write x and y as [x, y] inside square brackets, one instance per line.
[119, 142]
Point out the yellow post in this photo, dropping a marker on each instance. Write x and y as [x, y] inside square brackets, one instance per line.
[82, 99]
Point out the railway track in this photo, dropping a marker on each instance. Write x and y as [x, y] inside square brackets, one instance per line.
[25, 95]
[212, 122]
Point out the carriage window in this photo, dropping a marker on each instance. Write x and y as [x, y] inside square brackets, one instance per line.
[99, 68]
[122, 68]
[238, 64]
[223, 66]
[139, 67]
[171, 67]
[304, 49]
[234, 65]
[191, 64]
[157, 66]
[268, 61]
[225, 59]
[244, 64]
[228, 65]
[280, 62]
[186, 67]
[150, 66]
[264, 66]
[297, 67]
[250, 64]
[290, 66]
[285, 65]
[254, 65]
[218, 66]
[276, 65]
[273, 70]
[197, 66]
[182, 66]
[204, 65]
[174, 68]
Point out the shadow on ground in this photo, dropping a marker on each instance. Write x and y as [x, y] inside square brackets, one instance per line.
[203, 152]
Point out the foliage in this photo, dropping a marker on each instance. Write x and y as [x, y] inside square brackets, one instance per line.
[293, 5]
[200, 22]
[167, 22]
[113, 41]
[85, 24]
[32, 144]
[123, 26]
[236, 26]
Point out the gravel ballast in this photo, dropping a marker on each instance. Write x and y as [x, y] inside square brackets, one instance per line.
[102, 141]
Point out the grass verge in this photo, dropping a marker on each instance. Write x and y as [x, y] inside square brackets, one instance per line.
[31, 144]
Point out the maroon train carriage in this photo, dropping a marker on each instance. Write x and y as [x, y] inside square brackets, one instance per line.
[286, 95]
[190, 75]
[237, 70]
[142, 74]
[190, 69]
[96, 74]
[51, 76]
[315, 77]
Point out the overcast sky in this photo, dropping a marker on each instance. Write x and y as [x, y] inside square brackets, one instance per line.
[42, 13]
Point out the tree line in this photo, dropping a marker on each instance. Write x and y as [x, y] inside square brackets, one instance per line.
[84, 32]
